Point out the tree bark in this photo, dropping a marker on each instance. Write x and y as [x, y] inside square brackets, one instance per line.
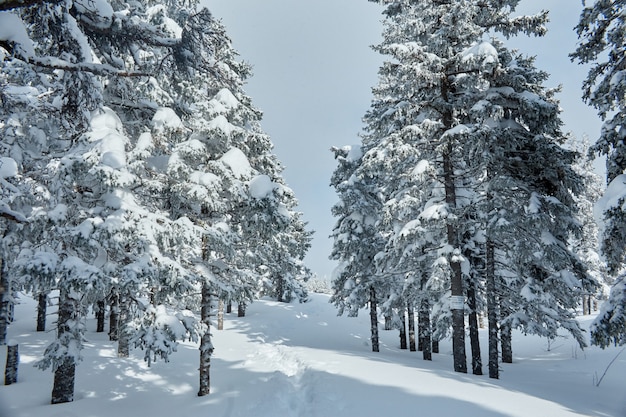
[477, 363]
[4, 303]
[241, 309]
[42, 304]
[123, 344]
[424, 329]
[374, 320]
[411, 318]
[229, 306]
[507, 347]
[206, 347]
[279, 289]
[100, 314]
[64, 374]
[492, 313]
[114, 316]
[13, 360]
[388, 323]
[220, 314]
[402, 329]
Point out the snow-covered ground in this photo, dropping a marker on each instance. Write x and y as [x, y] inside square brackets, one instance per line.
[302, 360]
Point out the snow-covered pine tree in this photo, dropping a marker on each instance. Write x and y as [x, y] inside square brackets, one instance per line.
[602, 34]
[356, 239]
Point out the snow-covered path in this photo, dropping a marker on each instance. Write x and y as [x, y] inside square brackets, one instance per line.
[302, 360]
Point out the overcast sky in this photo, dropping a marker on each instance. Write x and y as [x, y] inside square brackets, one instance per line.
[313, 74]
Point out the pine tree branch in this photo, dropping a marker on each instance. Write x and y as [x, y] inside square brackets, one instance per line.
[16, 4]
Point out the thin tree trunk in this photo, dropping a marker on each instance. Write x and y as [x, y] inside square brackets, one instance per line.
[114, 316]
[507, 347]
[13, 360]
[411, 317]
[241, 309]
[229, 306]
[477, 362]
[279, 290]
[4, 303]
[42, 304]
[100, 314]
[206, 347]
[424, 329]
[456, 281]
[64, 375]
[123, 344]
[388, 323]
[492, 313]
[402, 329]
[220, 314]
[374, 320]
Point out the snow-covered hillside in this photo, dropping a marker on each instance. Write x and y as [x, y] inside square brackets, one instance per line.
[302, 360]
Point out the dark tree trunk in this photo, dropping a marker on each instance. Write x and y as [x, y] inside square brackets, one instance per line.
[492, 312]
[411, 318]
[4, 303]
[64, 375]
[456, 281]
[206, 347]
[123, 344]
[435, 346]
[424, 329]
[477, 362]
[241, 309]
[220, 315]
[42, 305]
[100, 314]
[280, 289]
[402, 329]
[229, 306]
[374, 320]
[388, 323]
[114, 316]
[13, 360]
[507, 347]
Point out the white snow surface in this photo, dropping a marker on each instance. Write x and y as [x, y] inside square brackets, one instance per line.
[12, 29]
[614, 197]
[8, 167]
[166, 118]
[302, 360]
[237, 161]
[261, 186]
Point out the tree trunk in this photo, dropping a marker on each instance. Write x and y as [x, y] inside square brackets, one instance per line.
[13, 360]
[279, 290]
[229, 306]
[402, 329]
[435, 346]
[114, 316]
[220, 314]
[206, 347]
[42, 304]
[100, 314]
[123, 344]
[4, 303]
[477, 363]
[241, 309]
[507, 348]
[388, 323]
[492, 313]
[456, 281]
[411, 317]
[374, 320]
[64, 375]
[424, 329]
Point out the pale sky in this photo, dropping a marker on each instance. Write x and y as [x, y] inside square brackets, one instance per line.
[313, 74]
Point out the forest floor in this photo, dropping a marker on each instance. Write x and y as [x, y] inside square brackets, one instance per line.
[302, 360]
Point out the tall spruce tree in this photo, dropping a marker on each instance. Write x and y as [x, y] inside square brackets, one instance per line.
[602, 34]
